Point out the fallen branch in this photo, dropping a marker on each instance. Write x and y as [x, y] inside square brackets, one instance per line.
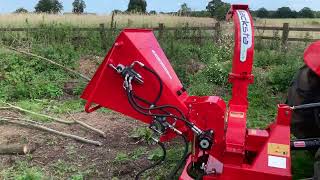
[5, 108]
[21, 119]
[50, 61]
[43, 128]
[15, 149]
[103, 134]
[40, 115]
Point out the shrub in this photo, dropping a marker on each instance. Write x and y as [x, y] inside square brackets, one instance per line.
[281, 76]
[30, 78]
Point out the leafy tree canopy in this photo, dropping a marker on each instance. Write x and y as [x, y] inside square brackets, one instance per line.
[306, 13]
[49, 6]
[78, 6]
[218, 9]
[137, 6]
[21, 10]
[262, 13]
[184, 10]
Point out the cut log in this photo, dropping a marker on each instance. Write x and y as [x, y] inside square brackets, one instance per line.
[9, 149]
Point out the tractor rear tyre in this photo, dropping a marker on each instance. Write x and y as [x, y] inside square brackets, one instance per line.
[304, 89]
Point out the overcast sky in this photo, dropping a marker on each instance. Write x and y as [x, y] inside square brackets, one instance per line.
[106, 6]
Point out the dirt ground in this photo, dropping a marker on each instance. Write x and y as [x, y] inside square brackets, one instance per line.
[98, 161]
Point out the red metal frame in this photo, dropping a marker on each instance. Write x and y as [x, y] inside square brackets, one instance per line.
[244, 153]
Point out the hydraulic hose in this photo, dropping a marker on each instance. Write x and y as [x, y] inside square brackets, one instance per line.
[156, 163]
[185, 155]
[156, 107]
[306, 106]
[160, 84]
[186, 149]
[147, 112]
[140, 110]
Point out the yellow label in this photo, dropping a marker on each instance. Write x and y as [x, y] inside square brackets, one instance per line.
[278, 149]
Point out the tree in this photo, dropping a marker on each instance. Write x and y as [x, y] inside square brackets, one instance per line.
[262, 13]
[137, 6]
[218, 9]
[49, 6]
[117, 11]
[78, 6]
[283, 12]
[294, 14]
[21, 10]
[184, 10]
[153, 12]
[306, 13]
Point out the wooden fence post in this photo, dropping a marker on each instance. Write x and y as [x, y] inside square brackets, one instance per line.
[161, 29]
[217, 34]
[103, 37]
[199, 38]
[130, 22]
[285, 36]
[175, 34]
[112, 20]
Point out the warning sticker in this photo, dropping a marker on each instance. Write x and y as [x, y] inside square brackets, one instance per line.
[277, 162]
[278, 149]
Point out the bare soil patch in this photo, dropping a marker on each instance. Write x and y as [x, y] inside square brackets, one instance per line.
[99, 162]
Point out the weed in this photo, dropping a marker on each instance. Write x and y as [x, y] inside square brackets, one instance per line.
[173, 156]
[136, 154]
[121, 158]
[26, 81]
[302, 164]
[142, 133]
[77, 177]
[61, 168]
[155, 155]
[22, 171]
[281, 76]
[69, 106]
[71, 150]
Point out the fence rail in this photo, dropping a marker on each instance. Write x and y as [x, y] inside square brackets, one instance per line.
[217, 28]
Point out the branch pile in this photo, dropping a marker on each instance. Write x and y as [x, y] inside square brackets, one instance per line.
[40, 126]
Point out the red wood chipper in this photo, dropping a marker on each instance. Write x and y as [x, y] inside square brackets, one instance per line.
[137, 80]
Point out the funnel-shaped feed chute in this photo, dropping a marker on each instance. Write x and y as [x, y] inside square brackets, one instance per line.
[106, 87]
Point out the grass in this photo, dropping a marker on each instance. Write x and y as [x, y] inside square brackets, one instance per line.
[297, 22]
[142, 134]
[132, 20]
[122, 20]
[22, 171]
[302, 164]
[61, 168]
[122, 157]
